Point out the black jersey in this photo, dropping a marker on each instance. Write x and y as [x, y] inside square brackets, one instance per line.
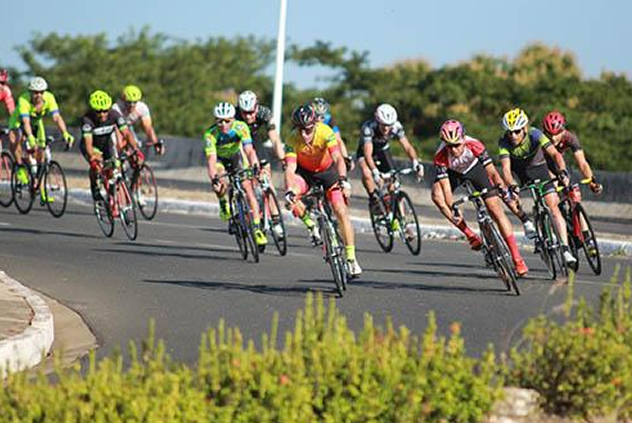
[101, 132]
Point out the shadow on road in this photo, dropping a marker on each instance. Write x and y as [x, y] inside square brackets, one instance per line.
[45, 232]
[279, 290]
[230, 255]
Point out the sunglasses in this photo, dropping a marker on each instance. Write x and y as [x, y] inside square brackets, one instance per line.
[131, 103]
[223, 121]
[452, 146]
[102, 112]
[515, 132]
[37, 92]
[251, 112]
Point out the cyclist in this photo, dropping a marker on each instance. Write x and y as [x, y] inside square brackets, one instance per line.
[5, 91]
[374, 155]
[228, 145]
[26, 124]
[100, 127]
[323, 114]
[523, 150]
[134, 110]
[554, 125]
[313, 155]
[462, 158]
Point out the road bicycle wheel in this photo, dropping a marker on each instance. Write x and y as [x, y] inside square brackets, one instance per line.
[275, 222]
[542, 225]
[554, 246]
[574, 243]
[104, 217]
[126, 209]
[249, 230]
[23, 194]
[593, 257]
[6, 165]
[237, 228]
[146, 192]
[381, 225]
[500, 256]
[332, 254]
[55, 189]
[408, 223]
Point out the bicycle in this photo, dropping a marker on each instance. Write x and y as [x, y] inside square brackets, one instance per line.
[395, 214]
[271, 223]
[495, 248]
[53, 192]
[6, 165]
[142, 183]
[332, 244]
[547, 240]
[240, 223]
[576, 220]
[115, 201]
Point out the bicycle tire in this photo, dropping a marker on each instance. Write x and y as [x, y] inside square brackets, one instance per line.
[555, 246]
[249, 230]
[237, 228]
[382, 227]
[280, 241]
[542, 225]
[331, 256]
[593, 261]
[55, 187]
[6, 169]
[104, 217]
[503, 263]
[127, 210]
[408, 218]
[574, 243]
[146, 192]
[23, 195]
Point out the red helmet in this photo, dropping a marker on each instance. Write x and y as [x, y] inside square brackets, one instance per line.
[4, 75]
[554, 123]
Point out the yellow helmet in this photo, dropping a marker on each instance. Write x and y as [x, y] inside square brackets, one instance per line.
[132, 93]
[515, 119]
[100, 100]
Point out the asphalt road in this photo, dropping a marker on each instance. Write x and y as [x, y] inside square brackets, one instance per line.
[184, 271]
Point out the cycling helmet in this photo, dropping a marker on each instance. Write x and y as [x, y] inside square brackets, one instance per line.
[132, 93]
[452, 131]
[224, 110]
[4, 75]
[386, 114]
[38, 84]
[100, 100]
[247, 101]
[554, 123]
[515, 119]
[321, 107]
[304, 116]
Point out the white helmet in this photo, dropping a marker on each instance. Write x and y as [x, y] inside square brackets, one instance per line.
[247, 101]
[386, 114]
[38, 84]
[224, 110]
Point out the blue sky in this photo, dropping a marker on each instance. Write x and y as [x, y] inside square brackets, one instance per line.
[442, 32]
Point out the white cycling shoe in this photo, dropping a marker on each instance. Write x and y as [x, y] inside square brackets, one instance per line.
[354, 268]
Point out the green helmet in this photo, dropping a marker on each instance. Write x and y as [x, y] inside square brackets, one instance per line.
[132, 93]
[100, 100]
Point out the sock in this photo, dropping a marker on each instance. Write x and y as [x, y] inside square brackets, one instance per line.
[513, 247]
[465, 229]
[307, 221]
[350, 250]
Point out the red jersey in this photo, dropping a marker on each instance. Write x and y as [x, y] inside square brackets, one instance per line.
[474, 152]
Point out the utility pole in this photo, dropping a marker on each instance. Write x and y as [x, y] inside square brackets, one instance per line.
[277, 105]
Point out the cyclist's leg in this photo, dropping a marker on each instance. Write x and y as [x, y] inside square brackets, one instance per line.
[524, 175]
[221, 189]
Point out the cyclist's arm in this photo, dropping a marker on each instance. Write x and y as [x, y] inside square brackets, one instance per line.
[408, 148]
[251, 154]
[8, 100]
[26, 126]
[211, 165]
[505, 166]
[339, 161]
[290, 170]
[552, 152]
[88, 143]
[59, 121]
[441, 189]
[493, 175]
[277, 144]
[128, 137]
[583, 165]
[368, 155]
[341, 145]
[148, 127]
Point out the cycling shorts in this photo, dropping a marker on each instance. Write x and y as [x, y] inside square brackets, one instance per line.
[304, 179]
[526, 174]
[477, 176]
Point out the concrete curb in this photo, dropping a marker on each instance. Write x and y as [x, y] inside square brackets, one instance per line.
[29, 347]
[169, 205]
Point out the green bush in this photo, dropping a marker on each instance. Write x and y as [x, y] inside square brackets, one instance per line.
[582, 367]
[324, 372]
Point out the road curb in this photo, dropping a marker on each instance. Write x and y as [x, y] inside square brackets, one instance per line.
[29, 347]
[169, 205]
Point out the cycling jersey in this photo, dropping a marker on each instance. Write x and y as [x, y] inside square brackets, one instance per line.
[317, 155]
[569, 142]
[263, 120]
[7, 98]
[329, 120]
[26, 109]
[530, 152]
[370, 133]
[474, 152]
[101, 132]
[140, 111]
[226, 145]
